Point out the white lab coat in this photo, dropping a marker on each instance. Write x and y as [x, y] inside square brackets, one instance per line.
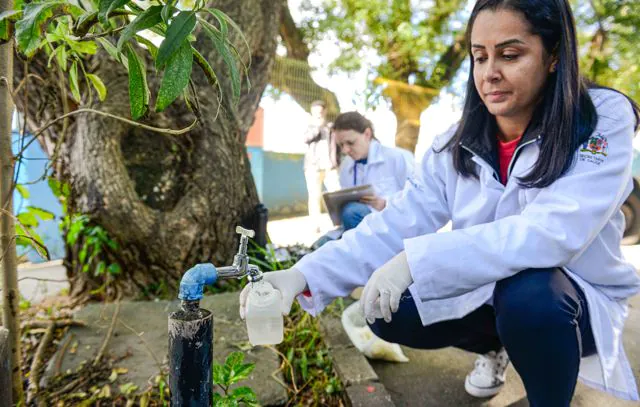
[387, 170]
[575, 223]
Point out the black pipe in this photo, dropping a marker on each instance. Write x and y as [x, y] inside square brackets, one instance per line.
[191, 356]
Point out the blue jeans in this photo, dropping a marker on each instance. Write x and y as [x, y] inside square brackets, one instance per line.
[353, 213]
[539, 315]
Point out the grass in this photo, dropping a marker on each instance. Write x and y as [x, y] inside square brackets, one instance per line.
[306, 364]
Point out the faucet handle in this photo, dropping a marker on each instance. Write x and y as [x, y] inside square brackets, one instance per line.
[245, 232]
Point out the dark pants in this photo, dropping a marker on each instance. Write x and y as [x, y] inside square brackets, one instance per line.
[539, 315]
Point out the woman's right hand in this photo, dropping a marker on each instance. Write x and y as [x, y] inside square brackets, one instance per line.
[290, 283]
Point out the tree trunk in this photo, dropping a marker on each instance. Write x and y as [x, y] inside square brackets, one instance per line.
[10, 293]
[169, 201]
[409, 101]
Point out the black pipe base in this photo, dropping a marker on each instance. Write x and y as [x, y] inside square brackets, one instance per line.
[190, 357]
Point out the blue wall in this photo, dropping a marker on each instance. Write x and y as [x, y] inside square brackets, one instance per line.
[40, 195]
[280, 182]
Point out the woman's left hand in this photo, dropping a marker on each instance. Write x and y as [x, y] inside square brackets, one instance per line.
[382, 292]
[375, 202]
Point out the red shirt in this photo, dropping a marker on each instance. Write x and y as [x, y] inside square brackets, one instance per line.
[505, 153]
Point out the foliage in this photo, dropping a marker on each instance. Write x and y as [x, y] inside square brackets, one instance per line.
[95, 240]
[69, 32]
[28, 221]
[609, 36]
[233, 371]
[399, 40]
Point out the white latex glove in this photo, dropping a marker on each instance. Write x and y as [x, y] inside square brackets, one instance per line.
[290, 283]
[381, 295]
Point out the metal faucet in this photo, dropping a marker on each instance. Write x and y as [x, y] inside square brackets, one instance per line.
[194, 280]
[241, 266]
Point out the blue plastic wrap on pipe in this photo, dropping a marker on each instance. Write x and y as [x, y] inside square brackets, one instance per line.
[194, 280]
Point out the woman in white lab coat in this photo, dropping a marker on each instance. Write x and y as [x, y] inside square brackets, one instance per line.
[532, 179]
[368, 162]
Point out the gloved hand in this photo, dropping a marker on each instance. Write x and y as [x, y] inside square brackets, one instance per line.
[290, 283]
[381, 295]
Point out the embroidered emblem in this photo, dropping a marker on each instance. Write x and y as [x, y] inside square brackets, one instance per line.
[597, 144]
[595, 149]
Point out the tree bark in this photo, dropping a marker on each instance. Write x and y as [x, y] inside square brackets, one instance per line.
[10, 293]
[169, 201]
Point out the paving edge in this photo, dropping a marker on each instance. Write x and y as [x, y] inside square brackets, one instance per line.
[361, 383]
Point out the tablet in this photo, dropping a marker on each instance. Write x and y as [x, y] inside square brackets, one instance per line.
[337, 199]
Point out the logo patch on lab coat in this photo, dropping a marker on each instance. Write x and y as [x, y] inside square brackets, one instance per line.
[595, 149]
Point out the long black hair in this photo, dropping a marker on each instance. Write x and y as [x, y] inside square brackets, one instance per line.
[566, 115]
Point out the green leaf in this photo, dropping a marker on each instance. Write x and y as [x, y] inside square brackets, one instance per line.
[107, 6]
[241, 372]
[98, 85]
[151, 47]
[177, 33]
[206, 67]
[11, 15]
[100, 268]
[114, 269]
[219, 376]
[168, 10]
[245, 394]
[234, 359]
[5, 18]
[217, 399]
[43, 214]
[29, 28]
[220, 14]
[4, 30]
[82, 47]
[82, 256]
[138, 87]
[113, 51]
[221, 46]
[73, 81]
[304, 365]
[62, 58]
[176, 76]
[23, 191]
[147, 19]
[222, 20]
[27, 219]
[55, 186]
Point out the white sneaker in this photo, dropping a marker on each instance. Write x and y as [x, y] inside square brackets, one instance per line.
[488, 375]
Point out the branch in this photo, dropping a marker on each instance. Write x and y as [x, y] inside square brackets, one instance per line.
[448, 64]
[36, 365]
[107, 338]
[146, 345]
[120, 118]
[292, 37]
[60, 323]
[103, 34]
[298, 53]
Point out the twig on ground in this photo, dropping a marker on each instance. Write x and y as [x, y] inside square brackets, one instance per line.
[36, 365]
[60, 355]
[107, 338]
[146, 345]
[60, 323]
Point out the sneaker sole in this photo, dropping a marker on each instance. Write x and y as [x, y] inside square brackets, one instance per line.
[481, 392]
